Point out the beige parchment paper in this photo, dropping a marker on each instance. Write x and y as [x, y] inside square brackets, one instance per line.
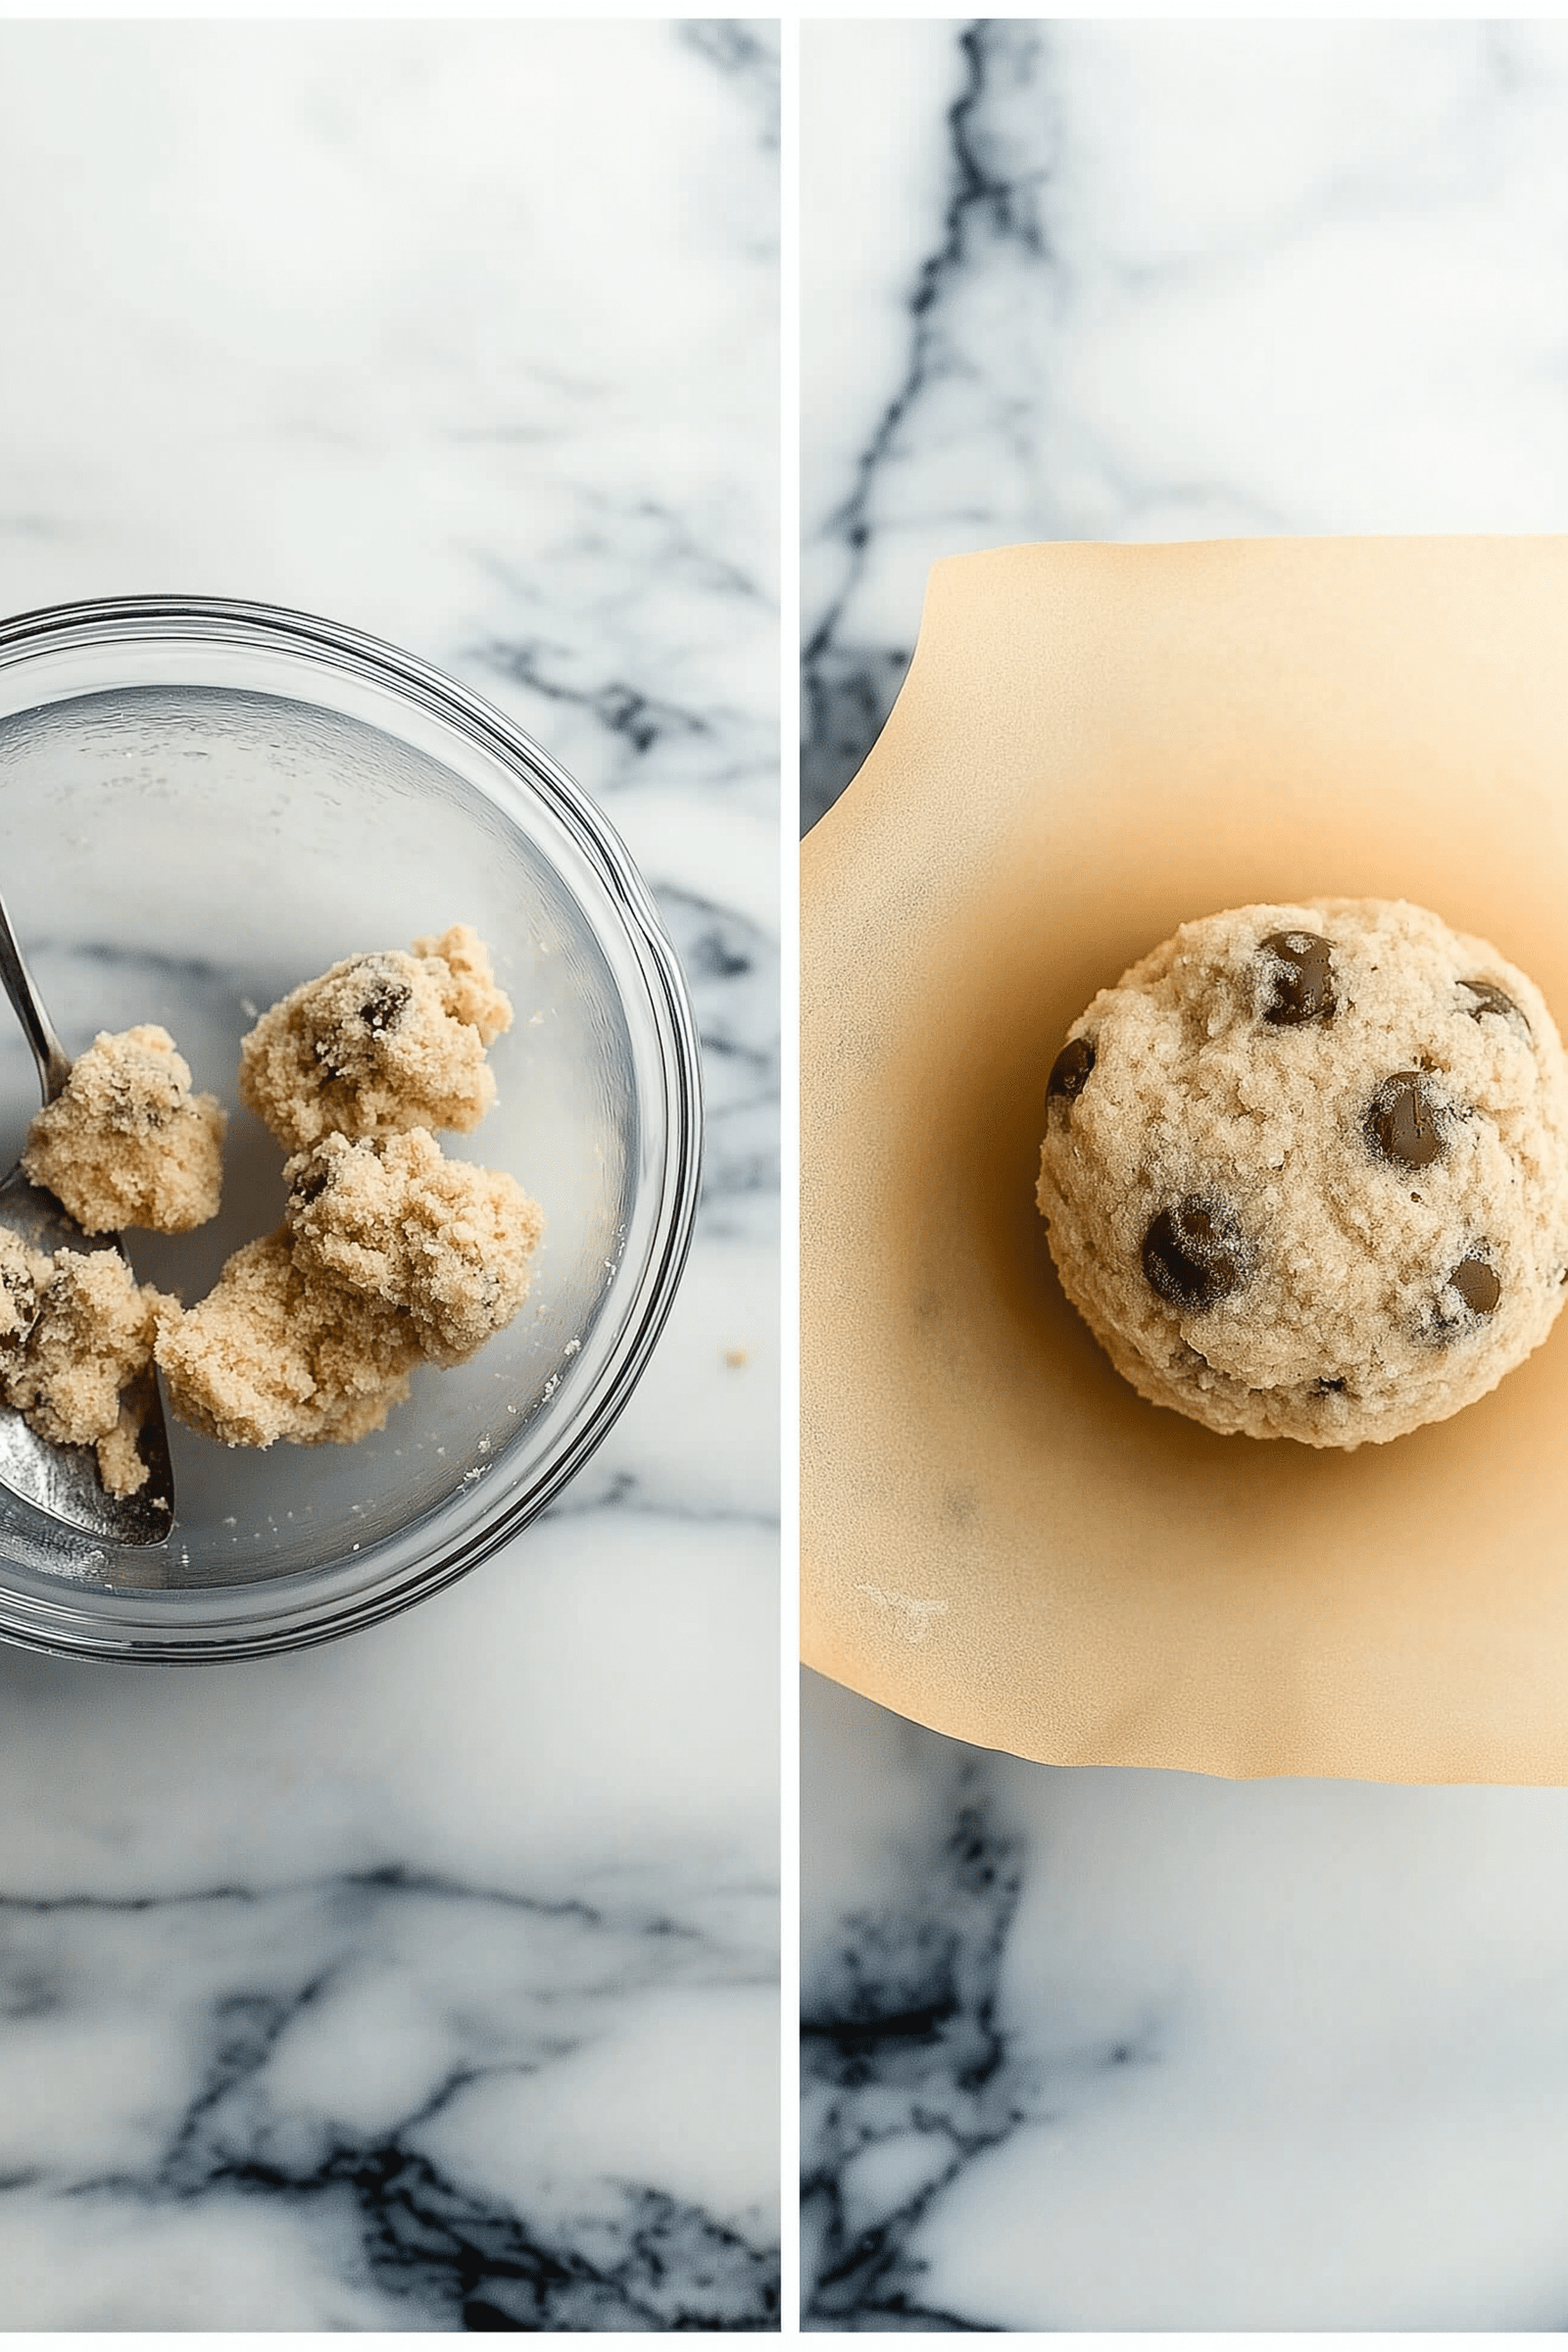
[999, 1538]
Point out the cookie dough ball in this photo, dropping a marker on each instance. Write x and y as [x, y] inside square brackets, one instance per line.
[127, 1143]
[396, 1220]
[380, 1044]
[93, 1332]
[271, 1352]
[1305, 1170]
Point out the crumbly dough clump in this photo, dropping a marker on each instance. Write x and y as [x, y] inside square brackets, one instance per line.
[391, 1255]
[272, 1352]
[125, 1142]
[380, 1044]
[76, 1331]
[1305, 1170]
[395, 1219]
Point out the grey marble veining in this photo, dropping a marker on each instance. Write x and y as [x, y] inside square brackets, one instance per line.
[1102, 2050]
[1163, 281]
[1093, 2049]
[430, 1981]
[301, 2102]
[907, 2071]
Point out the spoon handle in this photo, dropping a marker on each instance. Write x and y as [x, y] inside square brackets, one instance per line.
[54, 1062]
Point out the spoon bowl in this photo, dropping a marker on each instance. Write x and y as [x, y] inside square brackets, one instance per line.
[63, 1480]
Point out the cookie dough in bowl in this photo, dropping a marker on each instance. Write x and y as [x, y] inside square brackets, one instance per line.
[1305, 1170]
[204, 803]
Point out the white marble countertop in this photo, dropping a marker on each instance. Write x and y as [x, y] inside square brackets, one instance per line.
[1097, 2049]
[428, 1981]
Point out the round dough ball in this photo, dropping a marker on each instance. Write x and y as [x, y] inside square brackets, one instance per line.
[1305, 1170]
[380, 1044]
[125, 1142]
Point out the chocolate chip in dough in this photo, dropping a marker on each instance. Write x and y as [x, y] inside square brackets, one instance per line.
[22, 1292]
[1069, 1073]
[1477, 1285]
[1400, 1124]
[385, 1005]
[1297, 983]
[1195, 1252]
[1488, 998]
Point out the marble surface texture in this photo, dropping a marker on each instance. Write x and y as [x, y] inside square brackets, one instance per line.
[1099, 2049]
[1162, 281]
[428, 1981]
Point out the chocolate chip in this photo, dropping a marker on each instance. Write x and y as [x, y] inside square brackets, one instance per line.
[1488, 998]
[1069, 1073]
[1477, 1285]
[1195, 1254]
[310, 1186]
[1328, 1388]
[1400, 1125]
[385, 1005]
[1297, 984]
[22, 1292]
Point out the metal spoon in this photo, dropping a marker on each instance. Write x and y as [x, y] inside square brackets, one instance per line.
[63, 1480]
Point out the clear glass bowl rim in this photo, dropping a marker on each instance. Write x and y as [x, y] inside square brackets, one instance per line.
[63, 1627]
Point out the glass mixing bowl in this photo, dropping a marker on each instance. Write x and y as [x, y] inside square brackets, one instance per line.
[202, 803]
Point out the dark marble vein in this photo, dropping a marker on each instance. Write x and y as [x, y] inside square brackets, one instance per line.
[232, 1971]
[901, 2046]
[350, 1888]
[998, 133]
[732, 969]
[640, 719]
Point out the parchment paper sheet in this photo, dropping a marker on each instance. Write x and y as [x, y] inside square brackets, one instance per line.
[999, 1538]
